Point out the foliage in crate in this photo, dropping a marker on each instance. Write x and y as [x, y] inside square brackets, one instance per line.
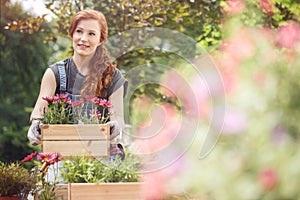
[88, 110]
[82, 169]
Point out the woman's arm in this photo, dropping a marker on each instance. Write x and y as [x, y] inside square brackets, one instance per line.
[47, 89]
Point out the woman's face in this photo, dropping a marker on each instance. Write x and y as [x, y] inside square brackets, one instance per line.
[86, 37]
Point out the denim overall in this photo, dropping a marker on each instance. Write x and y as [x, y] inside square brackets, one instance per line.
[115, 149]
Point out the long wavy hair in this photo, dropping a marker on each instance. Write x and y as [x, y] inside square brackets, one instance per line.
[101, 69]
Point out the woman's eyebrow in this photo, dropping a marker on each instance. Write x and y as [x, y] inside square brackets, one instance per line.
[94, 30]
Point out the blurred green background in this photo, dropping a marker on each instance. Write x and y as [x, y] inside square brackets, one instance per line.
[256, 49]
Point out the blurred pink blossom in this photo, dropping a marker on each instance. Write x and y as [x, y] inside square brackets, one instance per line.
[156, 182]
[160, 130]
[240, 46]
[234, 7]
[176, 86]
[229, 70]
[155, 141]
[155, 185]
[196, 102]
[172, 84]
[233, 52]
[267, 7]
[234, 121]
[289, 35]
[268, 179]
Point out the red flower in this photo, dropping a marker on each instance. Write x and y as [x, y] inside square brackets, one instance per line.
[49, 158]
[268, 179]
[29, 157]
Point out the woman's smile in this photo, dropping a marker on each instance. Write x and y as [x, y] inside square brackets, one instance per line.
[83, 46]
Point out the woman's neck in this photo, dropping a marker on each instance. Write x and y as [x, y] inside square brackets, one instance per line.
[82, 63]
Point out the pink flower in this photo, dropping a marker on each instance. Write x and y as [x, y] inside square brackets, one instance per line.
[267, 7]
[29, 157]
[77, 103]
[67, 100]
[49, 158]
[289, 35]
[90, 98]
[105, 103]
[268, 179]
[56, 99]
[48, 99]
[62, 96]
[234, 7]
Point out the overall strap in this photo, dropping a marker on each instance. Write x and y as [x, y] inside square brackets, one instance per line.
[62, 76]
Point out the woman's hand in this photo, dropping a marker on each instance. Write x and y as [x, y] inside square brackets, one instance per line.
[34, 132]
[115, 131]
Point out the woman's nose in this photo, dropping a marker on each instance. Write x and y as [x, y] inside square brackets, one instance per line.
[83, 37]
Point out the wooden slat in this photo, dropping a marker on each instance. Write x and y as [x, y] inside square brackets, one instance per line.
[61, 191]
[107, 191]
[75, 132]
[96, 148]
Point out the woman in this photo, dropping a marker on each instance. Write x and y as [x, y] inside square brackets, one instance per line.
[88, 72]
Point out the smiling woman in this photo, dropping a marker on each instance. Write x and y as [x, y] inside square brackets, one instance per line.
[89, 72]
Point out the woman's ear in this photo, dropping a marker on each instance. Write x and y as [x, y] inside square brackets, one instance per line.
[100, 43]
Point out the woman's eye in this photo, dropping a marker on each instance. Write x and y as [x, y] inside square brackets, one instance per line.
[92, 34]
[78, 31]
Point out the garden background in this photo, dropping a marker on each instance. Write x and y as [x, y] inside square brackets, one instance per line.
[217, 112]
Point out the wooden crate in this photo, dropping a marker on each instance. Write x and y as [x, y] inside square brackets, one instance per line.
[107, 191]
[80, 139]
[96, 191]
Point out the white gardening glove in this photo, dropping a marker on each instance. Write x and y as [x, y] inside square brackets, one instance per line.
[115, 132]
[34, 132]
